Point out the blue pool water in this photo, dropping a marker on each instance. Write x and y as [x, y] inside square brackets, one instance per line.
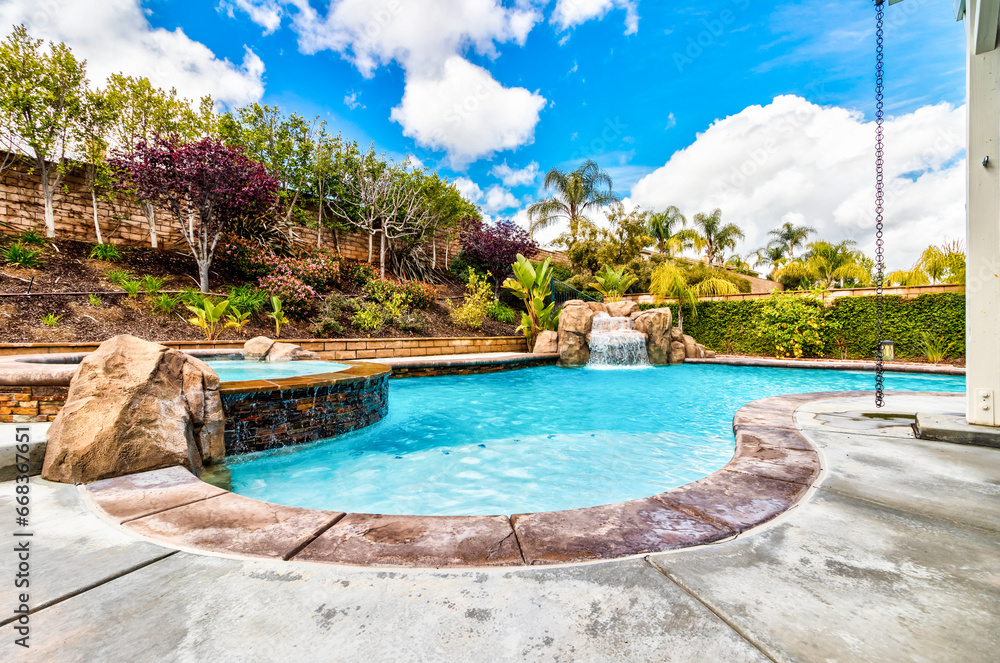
[539, 439]
[230, 370]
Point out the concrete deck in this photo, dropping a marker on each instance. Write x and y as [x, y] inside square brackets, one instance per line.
[893, 557]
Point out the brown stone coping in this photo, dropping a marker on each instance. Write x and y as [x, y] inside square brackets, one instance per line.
[829, 364]
[771, 470]
[357, 370]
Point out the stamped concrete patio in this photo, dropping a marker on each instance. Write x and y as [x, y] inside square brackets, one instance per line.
[893, 557]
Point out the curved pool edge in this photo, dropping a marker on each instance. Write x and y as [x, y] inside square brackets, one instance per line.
[773, 468]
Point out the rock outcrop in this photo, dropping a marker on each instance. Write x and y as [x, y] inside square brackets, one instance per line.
[135, 406]
[264, 349]
[575, 322]
[546, 343]
[656, 324]
[677, 353]
[622, 309]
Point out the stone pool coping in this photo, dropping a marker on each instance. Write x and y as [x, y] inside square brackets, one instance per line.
[772, 469]
[829, 364]
[356, 370]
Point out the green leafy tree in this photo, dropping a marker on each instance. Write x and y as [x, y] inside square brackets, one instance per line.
[824, 265]
[586, 188]
[92, 133]
[790, 237]
[42, 94]
[715, 237]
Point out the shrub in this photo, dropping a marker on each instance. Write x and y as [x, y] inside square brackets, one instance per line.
[320, 272]
[296, 297]
[419, 294]
[471, 312]
[245, 258]
[792, 326]
[373, 315]
[411, 321]
[327, 323]
[460, 268]
[21, 255]
[494, 248]
[360, 273]
[380, 290]
[247, 298]
[501, 312]
[562, 271]
[106, 252]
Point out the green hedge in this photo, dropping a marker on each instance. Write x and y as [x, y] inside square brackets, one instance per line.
[941, 314]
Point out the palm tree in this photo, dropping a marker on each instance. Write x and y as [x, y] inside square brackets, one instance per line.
[715, 237]
[774, 256]
[586, 187]
[790, 236]
[663, 228]
[826, 264]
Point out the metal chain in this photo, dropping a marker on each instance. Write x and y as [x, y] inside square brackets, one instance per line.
[879, 203]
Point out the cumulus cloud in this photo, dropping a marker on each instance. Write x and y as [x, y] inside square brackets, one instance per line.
[499, 199]
[569, 13]
[469, 189]
[265, 13]
[516, 176]
[114, 35]
[466, 112]
[792, 160]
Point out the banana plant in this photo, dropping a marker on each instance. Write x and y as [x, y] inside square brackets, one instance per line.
[532, 285]
[208, 316]
[237, 319]
[612, 284]
[277, 315]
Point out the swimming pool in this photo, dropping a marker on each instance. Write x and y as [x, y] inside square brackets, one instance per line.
[540, 439]
[230, 370]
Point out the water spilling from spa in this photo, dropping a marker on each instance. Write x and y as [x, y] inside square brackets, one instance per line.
[615, 343]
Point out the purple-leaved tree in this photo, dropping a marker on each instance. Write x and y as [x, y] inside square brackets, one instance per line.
[494, 247]
[204, 185]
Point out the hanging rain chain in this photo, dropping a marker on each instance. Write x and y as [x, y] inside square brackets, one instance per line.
[879, 202]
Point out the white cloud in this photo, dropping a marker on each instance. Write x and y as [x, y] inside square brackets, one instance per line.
[516, 176]
[265, 13]
[793, 160]
[467, 112]
[569, 13]
[469, 189]
[499, 199]
[414, 163]
[114, 35]
[351, 101]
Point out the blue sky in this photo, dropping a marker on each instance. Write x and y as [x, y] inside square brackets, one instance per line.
[642, 87]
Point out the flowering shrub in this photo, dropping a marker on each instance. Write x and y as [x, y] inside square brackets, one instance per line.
[296, 297]
[419, 294]
[244, 257]
[320, 272]
[360, 273]
[380, 290]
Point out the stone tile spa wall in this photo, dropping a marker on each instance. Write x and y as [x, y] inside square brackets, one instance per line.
[263, 415]
[23, 404]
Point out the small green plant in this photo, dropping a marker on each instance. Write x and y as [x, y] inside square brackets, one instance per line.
[612, 283]
[411, 321]
[152, 285]
[209, 317]
[117, 276]
[131, 287]
[933, 347]
[248, 298]
[472, 311]
[21, 255]
[51, 319]
[164, 303]
[500, 312]
[327, 323]
[237, 319]
[31, 238]
[192, 297]
[373, 315]
[277, 315]
[106, 252]
[94, 300]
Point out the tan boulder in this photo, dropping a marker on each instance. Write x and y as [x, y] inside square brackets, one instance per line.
[289, 352]
[135, 406]
[596, 307]
[546, 343]
[677, 353]
[622, 309]
[257, 348]
[710, 354]
[676, 334]
[575, 322]
[656, 324]
[699, 350]
[690, 347]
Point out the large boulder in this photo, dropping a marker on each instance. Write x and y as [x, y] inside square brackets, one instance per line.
[677, 353]
[575, 322]
[690, 347]
[257, 347]
[676, 334]
[656, 324]
[596, 307]
[699, 350]
[622, 309]
[546, 343]
[289, 352]
[135, 406]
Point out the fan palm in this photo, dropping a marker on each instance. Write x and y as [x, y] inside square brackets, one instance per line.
[576, 192]
[716, 237]
[789, 236]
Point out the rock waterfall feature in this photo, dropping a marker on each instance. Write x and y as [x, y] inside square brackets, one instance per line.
[615, 343]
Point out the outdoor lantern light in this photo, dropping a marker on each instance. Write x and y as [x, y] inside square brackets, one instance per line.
[888, 350]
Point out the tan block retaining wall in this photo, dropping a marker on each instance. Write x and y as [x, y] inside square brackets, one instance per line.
[34, 403]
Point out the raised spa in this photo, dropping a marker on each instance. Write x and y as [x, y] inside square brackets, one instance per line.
[539, 439]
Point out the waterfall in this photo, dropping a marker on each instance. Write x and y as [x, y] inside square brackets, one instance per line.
[615, 343]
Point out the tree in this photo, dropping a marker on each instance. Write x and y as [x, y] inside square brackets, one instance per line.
[789, 237]
[825, 264]
[205, 185]
[92, 139]
[495, 247]
[42, 94]
[140, 112]
[445, 208]
[585, 188]
[715, 237]
[774, 257]
[944, 263]
[663, 228]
